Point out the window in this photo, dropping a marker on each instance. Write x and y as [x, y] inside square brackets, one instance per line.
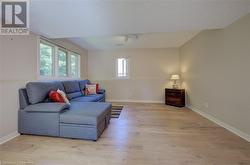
[122, 68]
[57, 62]
[74, 65]
[46, 59]
[62, 63]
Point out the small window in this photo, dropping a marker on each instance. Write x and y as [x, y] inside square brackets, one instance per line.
[122, 68]
[46, 59]
[74, 65]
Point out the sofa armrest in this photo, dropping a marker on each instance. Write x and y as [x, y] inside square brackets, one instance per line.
[101, 91]
[47, 107]
[23, 98]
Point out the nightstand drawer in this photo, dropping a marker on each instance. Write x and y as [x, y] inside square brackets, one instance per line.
[175, 97]
[173, 94]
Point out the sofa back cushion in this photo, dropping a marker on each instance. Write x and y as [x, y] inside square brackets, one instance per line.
[72, 89]
[39, 91]
[83, 83]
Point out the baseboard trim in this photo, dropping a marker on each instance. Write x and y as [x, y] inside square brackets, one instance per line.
[136, 101]
[8, 137]
[221, 123]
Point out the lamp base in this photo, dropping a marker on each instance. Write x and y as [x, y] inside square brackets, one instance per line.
[175, 86]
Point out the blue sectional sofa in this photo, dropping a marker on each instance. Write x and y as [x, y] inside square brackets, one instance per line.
[85, 118]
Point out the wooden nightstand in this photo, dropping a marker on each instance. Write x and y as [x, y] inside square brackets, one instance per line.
[175, 97]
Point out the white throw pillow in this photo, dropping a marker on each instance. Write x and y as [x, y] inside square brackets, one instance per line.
[91, 89]
[66, 100]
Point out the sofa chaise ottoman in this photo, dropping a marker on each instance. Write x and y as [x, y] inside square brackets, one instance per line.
[85, 118]
[85, 124]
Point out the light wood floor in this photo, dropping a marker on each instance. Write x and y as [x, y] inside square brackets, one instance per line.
[145, 134]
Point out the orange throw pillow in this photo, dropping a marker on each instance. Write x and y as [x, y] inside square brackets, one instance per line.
[97, 88]
[56, 97]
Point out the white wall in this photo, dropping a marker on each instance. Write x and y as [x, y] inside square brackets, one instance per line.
[19, 65]
[150, 70]
[216, 69]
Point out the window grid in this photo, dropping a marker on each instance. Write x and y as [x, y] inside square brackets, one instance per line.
[60, 65]
[75, 65]
[47, 71]
[62, 62]
[122, 68]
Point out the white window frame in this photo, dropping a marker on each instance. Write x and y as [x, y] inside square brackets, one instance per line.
[55, 62]
[128, 68]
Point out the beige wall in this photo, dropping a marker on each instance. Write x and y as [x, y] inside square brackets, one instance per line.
[216, 70]
[1, 115]
[150, 70]
[1, 96]
[18, 66]
[18, 60]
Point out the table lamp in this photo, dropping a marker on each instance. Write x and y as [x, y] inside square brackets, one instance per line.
[175, 78]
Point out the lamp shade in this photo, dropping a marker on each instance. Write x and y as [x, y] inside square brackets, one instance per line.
[175, 77]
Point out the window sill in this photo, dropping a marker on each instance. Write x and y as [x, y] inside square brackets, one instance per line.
[122, 78]
[57, 78]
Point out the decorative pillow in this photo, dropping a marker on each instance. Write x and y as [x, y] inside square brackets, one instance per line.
[66, 100]
[97, 86]
[56, 97]
[91, 89]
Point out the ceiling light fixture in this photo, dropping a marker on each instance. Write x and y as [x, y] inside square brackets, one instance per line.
[123, 39]
[131, 37]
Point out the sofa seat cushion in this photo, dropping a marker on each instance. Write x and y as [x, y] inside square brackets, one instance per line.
[47, 107]
[85, 113]
[97, 96]
[88, 98]
[101, 91]
[83, 99]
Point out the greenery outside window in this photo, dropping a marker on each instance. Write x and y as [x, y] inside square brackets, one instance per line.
[58, 62]
[46, 59]
[62, 63]
[74, 65]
